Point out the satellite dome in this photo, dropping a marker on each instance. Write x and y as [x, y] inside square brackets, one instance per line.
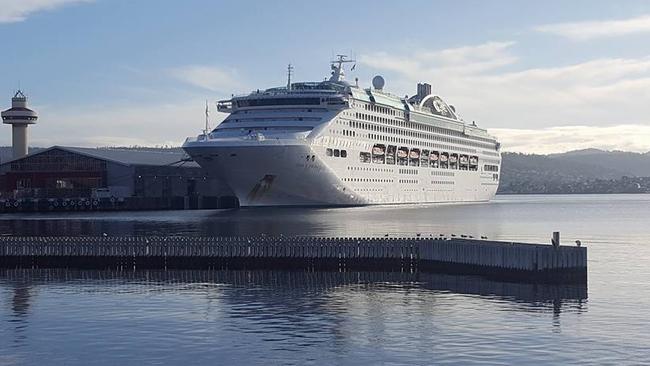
[378, 82]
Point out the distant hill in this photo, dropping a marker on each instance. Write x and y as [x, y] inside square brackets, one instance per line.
[629, 163]
[581, 171]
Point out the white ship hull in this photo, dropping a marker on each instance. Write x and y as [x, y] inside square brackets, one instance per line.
[282, 175]
[275, 176]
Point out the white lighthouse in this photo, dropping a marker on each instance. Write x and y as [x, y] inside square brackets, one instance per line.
[19, 117]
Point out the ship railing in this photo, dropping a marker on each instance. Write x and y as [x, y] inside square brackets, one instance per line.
[324, 93]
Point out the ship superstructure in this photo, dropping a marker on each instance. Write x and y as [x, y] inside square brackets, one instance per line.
[335, 143]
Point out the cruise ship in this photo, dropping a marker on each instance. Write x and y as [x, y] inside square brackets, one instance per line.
[334, 143]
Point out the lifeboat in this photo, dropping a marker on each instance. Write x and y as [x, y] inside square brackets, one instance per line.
[378, 150]
[433, 157]
[473, 160]
[463, 159]
[453, 159]
[443, 158]
[414, 154]
[401, 154]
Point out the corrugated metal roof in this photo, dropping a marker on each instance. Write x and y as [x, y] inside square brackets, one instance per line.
[127, 156]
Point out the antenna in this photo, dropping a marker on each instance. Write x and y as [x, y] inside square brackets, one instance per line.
[289, 72]
[338, 74]
[207, 118]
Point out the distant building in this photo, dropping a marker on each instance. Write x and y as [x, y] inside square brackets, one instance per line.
[131, 179]
[19, 117]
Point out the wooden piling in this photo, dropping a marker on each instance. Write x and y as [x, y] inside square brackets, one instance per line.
[509, 261]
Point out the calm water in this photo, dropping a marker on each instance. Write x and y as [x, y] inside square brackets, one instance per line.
[324, 318]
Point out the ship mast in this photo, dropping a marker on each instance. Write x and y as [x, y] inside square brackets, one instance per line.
[289, 72]
[338, 73]
[207, 118]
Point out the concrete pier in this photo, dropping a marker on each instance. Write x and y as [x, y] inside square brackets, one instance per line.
[498, 260]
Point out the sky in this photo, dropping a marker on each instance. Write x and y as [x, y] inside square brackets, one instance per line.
[543, 77]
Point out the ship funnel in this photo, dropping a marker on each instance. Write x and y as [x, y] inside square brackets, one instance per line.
[424, 89]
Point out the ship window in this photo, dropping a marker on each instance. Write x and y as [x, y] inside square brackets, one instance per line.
[337, 153]
[328, 152]
[277, 101]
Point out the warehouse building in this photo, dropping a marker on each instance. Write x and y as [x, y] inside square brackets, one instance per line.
[100, 178]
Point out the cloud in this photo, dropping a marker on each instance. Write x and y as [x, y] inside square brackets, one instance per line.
[587, 30]
[212, 78]
[599, 93]
[566, 138]
[464, 60]
[12, 11]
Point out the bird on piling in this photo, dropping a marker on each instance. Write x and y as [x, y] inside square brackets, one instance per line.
[578, 243]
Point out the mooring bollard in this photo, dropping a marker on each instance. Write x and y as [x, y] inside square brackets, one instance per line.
[556, 239]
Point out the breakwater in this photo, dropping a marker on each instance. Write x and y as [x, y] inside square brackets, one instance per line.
[501, 260]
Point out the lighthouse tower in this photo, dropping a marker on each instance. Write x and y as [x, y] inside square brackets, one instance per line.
[19, 117]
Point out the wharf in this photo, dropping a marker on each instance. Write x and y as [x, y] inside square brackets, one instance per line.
[508, 261]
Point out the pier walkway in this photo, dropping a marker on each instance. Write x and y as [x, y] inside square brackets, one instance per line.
[501, 260]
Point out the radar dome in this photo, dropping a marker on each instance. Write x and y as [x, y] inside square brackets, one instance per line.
[378, 82]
